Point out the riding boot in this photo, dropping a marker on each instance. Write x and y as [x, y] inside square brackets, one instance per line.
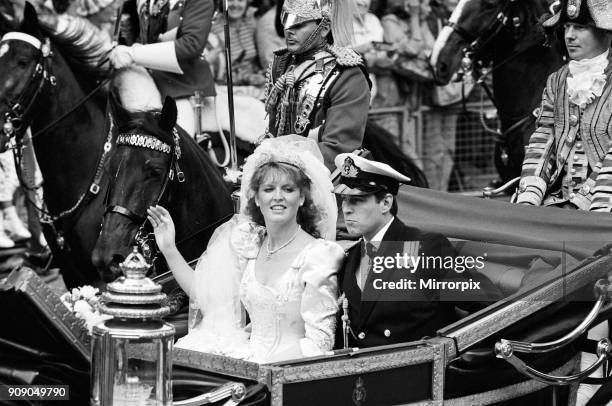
[13, 224]
[5, 241]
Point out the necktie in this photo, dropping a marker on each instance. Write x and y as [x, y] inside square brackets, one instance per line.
[368, 249]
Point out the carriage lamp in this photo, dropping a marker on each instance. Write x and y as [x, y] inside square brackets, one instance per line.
[132, 352]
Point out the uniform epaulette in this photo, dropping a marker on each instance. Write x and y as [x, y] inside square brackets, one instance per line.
[345, 56]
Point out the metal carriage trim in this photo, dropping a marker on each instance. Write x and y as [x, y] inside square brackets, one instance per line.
[480, 325]
[220, 364]
[432, 351]
[513, 391]
[72, 328]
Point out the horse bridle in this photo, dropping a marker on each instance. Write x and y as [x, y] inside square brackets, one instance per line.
[16, 121]
[136, 140]
[15, 117]
[478, 42]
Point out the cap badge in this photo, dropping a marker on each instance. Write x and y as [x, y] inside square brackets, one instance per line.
[349, 170]
[573, 8]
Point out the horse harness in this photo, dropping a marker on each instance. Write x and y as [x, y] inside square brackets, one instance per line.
[14, 126]
[479, 42]
[137, 140]
[19, 109]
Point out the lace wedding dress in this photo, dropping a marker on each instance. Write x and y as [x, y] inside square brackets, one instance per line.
[297, 316]
[294, 318]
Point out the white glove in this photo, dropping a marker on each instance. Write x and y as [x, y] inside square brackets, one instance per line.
[121, 57]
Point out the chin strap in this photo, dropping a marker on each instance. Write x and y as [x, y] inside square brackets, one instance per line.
[312, 37]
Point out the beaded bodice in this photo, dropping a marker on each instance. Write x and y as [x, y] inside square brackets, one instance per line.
[280, 314]
[275, 313]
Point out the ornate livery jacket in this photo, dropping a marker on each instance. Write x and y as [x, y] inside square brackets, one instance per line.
[325, 96]
[568, 158]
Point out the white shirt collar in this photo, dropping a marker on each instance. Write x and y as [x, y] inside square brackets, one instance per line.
[381, 233]
[597, 63]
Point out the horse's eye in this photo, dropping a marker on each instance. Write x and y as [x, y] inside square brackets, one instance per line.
[155, 172]
[22, 63]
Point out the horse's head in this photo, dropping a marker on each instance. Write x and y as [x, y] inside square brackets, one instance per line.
[474, 25]
[24, 69]
[142, 169]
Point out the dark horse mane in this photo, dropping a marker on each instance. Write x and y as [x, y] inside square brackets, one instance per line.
[521, 60]
[380, 143]
[145, 122]
[81, 43]
[535, 12]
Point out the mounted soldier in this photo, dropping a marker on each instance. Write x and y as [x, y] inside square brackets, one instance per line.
[316, 87]
[169, 40]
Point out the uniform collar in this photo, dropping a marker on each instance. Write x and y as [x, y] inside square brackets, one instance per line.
[381, 233]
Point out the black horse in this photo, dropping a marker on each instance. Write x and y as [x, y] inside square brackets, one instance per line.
[507, 34]
[51, 82]
[155, 163]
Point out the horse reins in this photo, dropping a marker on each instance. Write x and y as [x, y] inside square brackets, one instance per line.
[17, 116]
[148, 142]
[152, 143]
[143, 238]
[13, 125]
[477, 44]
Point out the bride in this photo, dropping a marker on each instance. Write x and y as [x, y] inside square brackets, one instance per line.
[272, 260]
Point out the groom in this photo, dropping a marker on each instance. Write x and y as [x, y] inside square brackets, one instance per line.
[378, 311]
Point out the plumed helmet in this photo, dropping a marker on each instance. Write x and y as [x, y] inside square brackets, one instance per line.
[338, 12]
[597, 13]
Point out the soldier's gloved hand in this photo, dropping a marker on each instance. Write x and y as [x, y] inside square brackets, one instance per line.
[121, 57]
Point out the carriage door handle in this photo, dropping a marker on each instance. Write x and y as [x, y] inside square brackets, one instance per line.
[505, 349]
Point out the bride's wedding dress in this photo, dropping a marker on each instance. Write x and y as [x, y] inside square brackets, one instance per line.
[294, 318]
[297, 316]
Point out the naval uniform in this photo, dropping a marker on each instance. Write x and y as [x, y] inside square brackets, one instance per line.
[381, 317]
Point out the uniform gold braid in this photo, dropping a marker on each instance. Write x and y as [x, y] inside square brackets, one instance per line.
[284, 85]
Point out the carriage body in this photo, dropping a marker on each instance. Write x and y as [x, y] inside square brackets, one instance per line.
[458, 366]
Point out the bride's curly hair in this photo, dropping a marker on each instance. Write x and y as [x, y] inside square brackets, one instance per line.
[307, 216]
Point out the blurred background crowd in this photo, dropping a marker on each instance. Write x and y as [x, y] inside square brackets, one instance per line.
[449, 131]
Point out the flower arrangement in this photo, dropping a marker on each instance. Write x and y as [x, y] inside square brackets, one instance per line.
[85, 303]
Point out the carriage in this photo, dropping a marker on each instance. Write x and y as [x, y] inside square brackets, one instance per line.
[548, 268]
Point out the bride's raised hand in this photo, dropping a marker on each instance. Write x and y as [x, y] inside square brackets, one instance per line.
[163, 227]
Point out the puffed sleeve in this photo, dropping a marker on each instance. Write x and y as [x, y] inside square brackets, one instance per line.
[319, 299]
